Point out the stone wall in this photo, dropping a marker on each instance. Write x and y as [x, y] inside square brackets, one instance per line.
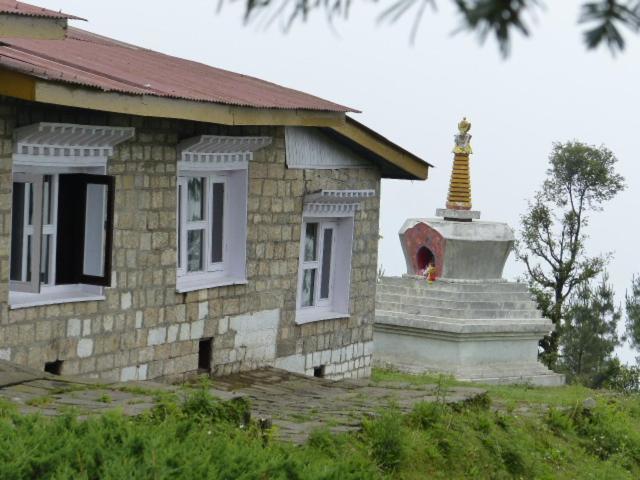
[144, 329]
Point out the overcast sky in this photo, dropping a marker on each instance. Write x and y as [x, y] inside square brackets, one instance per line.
[550, 89]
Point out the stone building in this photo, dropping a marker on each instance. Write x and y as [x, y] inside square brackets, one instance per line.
[161, 217]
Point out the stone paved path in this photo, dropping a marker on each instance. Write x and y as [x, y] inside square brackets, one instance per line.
[297, 404]
[294, 403]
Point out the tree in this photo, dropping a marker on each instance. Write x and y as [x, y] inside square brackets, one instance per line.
[632, 301]
[579, 180]
[604, 19]
[588, 335]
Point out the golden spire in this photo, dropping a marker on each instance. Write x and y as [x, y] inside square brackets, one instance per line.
[459, 197]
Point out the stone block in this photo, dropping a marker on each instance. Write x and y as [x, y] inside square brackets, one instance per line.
[128, 374]
[85, 348]
[86, 327]
[74, 327]
[197, 330]
[157, 336]
[172, 333]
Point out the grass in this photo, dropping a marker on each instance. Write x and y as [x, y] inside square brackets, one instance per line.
[191, 435]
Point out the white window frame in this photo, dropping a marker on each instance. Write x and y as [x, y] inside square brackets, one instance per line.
[229, 271]
[50, 293]
[46, 228]
[205, 224]
[336, 305]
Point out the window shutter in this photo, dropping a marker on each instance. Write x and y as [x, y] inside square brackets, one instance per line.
[25, 259]
[85, 229]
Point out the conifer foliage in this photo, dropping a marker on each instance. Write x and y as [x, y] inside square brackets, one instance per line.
[633, 313]
[588, 335]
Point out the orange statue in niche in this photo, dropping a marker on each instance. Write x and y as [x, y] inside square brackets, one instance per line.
[430, 273]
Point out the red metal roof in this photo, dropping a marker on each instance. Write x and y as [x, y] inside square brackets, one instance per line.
[87, 59]
[24, 9]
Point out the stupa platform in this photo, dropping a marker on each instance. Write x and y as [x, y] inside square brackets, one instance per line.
[484, 331]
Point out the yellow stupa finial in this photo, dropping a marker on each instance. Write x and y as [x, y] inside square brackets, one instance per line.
[464, 126]
[459, 197]
[463, 139]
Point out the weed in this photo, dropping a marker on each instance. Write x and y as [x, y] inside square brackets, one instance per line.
[386, 438]
[104, 398]
[39, 401]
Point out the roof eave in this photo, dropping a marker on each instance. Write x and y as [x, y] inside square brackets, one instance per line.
[399, 162]
[403, 164]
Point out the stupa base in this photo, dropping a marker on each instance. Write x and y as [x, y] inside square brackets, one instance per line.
[477, 331]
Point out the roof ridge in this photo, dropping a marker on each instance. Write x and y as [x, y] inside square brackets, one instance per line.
[86, 70]
[13, 7]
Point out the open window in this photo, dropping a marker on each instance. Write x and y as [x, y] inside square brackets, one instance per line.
[61, 236]
[62, 212]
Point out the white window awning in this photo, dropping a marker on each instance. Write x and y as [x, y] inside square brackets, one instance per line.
[335, 203]
[67, 144]
[215, 152]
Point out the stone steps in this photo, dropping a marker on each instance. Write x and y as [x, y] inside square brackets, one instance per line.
[519, 326]
[429, 291]
[459, 313]
[454, 287]
[486, 302]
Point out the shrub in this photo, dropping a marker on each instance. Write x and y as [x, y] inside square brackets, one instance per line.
[386, 438]
[622, 378]
[425, 414]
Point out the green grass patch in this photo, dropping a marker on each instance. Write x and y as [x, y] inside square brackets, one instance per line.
[192, 435]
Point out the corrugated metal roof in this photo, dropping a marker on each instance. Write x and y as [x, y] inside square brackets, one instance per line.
[87, 59]
[24, 9]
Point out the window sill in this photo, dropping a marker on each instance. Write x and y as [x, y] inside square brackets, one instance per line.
[56, 295]
[202, 282]
[317, 314]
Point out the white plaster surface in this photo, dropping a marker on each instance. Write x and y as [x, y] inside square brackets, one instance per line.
[256, 333]
[292, 363]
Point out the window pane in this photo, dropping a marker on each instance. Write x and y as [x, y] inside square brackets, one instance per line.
[327, 244]
[310, 242]
[26, 270]
[45, 259]
[180, 226]
[308, 287]
[195, 240]
[17, 231]
[29, 188]
[195, 200]
[47, 200]
[217, 216]
[95, 233]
